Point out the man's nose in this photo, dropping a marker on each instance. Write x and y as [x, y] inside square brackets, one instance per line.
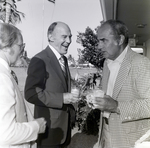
[99, 45]
[68, 40]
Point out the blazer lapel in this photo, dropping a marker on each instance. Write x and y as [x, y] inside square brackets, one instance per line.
[53, 61]
[105, 78]
[123, 73]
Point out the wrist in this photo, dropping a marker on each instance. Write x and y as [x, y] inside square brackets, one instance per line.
[67, 97]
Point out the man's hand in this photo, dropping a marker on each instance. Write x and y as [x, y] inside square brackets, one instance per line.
[70, 98]
[42, 124]
[105, 104]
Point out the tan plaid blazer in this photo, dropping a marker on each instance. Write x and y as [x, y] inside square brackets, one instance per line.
[132, 91]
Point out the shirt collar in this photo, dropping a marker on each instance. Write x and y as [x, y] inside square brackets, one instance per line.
[5, 64]
[57, 54]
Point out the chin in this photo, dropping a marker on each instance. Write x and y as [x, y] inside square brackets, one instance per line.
[65, 52]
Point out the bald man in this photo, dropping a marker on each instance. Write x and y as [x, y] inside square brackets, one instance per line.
[48, 87]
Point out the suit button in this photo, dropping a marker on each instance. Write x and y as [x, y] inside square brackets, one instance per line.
[129, 118]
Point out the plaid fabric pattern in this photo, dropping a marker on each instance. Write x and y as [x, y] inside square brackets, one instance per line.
[132, 91]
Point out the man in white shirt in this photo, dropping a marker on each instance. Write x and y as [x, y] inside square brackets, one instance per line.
[15, 129]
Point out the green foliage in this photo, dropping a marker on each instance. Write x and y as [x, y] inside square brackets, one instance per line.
[9, 12]
[87, 119]
[90, 52]
[70, 58]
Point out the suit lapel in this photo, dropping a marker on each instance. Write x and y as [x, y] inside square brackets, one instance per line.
[105, 79]
[123, 73]
[53, 61]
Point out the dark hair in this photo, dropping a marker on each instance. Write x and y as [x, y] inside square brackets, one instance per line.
[8, 35]
[118, 28]
[51, 28]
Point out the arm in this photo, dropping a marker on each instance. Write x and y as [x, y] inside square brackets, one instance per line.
[35, 91]
[11, 131]
[138, 108]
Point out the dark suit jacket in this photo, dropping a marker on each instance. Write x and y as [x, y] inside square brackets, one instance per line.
[45, 85]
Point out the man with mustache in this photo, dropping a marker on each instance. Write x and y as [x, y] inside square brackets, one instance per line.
[48, 86]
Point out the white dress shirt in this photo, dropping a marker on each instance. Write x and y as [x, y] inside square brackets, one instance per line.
[113, 67]
[57, 54]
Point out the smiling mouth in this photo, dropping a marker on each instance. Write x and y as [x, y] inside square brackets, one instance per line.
[65, 46]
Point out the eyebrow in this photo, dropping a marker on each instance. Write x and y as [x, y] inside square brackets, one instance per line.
[67, 35]
[102, 39]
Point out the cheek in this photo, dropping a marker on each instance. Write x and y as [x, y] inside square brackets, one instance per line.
[116, 43]
[12, 52]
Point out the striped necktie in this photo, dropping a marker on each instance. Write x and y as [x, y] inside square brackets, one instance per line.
[63, 65]
[14, 76]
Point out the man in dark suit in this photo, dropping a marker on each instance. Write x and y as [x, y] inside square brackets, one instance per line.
[48, 87]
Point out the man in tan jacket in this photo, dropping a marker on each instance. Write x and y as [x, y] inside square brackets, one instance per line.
[126, 83]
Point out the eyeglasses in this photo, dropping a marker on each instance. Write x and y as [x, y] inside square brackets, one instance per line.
[22, 46]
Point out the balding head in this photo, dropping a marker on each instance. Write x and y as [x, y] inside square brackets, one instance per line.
[59, 36]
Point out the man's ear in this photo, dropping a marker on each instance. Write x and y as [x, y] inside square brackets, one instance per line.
[6, 49]
[10, 50]
[121, 40]
[50, 37]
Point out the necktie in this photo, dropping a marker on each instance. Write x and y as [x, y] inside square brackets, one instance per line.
[14, 76]
[62, 64]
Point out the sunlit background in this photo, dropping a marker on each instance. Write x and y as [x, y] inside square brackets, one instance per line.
[39, 14]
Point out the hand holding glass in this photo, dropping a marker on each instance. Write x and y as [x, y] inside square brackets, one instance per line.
[75, 92]
[91, 97]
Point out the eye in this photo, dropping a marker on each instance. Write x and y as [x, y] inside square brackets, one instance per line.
[103, 40]
[70, 37]
[64, 36]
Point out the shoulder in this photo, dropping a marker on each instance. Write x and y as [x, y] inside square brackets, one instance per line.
[4, 71]
[37, 64]
[135, 58]
[139, 59]
[40, 57]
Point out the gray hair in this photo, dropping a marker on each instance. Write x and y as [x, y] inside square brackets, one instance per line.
[118, 28]
[51, 28]
[8, 35]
